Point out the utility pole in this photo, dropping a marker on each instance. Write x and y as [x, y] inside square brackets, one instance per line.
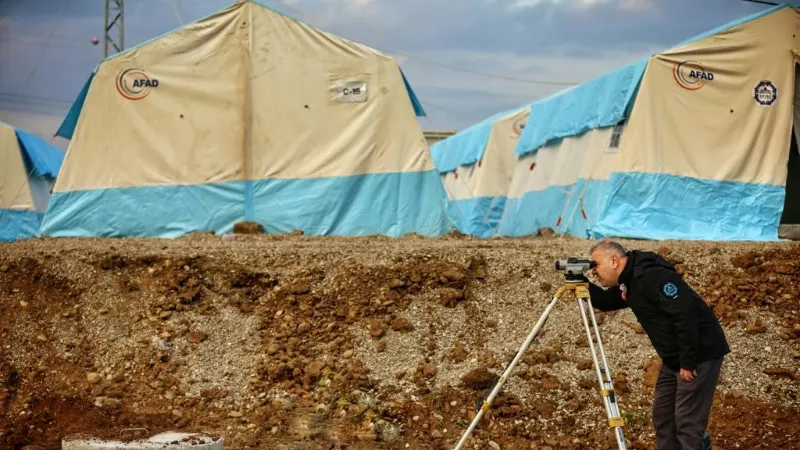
[114, 19]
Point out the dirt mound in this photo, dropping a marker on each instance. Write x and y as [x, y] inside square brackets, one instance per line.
[768, 279]
[295, 342]
[248, 228]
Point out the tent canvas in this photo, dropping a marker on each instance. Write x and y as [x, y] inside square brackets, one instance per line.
[475, 167]
[698, 147]
[247, 115]
[28, 166]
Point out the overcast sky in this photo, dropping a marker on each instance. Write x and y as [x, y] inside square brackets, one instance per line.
[46, 51]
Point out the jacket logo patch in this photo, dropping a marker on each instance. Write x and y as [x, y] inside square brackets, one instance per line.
[669, 289]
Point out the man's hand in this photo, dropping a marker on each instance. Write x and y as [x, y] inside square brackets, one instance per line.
[687, 375]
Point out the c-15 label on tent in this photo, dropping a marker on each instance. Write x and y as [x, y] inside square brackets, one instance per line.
[351, 92]
[765, 93]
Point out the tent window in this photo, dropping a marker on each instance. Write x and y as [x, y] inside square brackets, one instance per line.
[616, 135]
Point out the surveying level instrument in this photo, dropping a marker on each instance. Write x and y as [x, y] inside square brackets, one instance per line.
[577, 285]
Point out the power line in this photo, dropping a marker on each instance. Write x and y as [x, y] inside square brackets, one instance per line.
[11, 8]
[442, 108]
[762, 2]
[449, 66]
[485, 74]
[9, 97]
[44, 48]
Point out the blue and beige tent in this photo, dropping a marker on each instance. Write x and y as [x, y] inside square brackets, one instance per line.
[691, 143]
[247, 115]
[475, 166]
[28, 167]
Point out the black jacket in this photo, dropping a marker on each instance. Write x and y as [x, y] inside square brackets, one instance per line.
[681, 326]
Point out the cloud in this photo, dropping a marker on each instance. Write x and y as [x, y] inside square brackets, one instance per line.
[555, 40]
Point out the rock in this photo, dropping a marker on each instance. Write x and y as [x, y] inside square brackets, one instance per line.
[453, 275]
[4, 268]
[273, 348]
[621, 383]
[166, 315]
[235, 414]
[572, 405]
[23, 303]
[427, 370]
[366, 435]
[402, 325]
[479, 379]
[386, 431]
[782, 372]
[459, 353]
[757, 327]
[314, 370]
[93, 378]
[651, 371]
[546, 232]
[347, 354]
[177, 413]
[494, 445]
[381, 347]
[436, 434]
[585, 364]
[41, 338]
[300, 288]
[196, 337]
[377, 330]
[248, 228]
[451, 296]
[676, 259]
[396, 283]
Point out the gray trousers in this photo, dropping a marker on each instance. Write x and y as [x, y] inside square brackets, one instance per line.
[681, 409]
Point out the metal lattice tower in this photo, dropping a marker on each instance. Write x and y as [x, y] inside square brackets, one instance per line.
[114, 19]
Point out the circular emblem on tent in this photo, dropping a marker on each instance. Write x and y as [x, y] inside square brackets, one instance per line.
[765, 93]
[518, 126]
[135, 84]
[691, 75]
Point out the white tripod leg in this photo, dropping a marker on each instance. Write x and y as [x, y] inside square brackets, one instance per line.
[603, 373]
[487, 403]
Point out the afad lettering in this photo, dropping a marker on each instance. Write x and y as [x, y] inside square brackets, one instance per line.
[145, 83]
[701, 75]
[691, 75]
[135, 84]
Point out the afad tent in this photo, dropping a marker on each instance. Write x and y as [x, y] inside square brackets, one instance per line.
[28, 167]
[692, 143]
[246, 115]
[475, 166]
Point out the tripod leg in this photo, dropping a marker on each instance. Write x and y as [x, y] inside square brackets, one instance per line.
[603, 374]
[506, 373]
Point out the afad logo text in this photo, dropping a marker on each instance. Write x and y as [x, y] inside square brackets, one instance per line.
[691, 75]
[518, 126]
[135, 84]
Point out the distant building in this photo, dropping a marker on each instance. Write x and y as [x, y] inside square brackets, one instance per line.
[434, 136]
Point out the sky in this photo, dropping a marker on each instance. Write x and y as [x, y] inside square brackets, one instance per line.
[466, 59]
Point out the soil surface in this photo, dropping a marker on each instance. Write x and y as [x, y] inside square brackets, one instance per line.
[294, 342]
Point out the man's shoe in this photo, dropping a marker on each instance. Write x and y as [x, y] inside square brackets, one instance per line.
[706, 441]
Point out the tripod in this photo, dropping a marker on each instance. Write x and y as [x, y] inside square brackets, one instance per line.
[580, 289]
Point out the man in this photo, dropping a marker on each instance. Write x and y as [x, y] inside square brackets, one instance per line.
[683, 330]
